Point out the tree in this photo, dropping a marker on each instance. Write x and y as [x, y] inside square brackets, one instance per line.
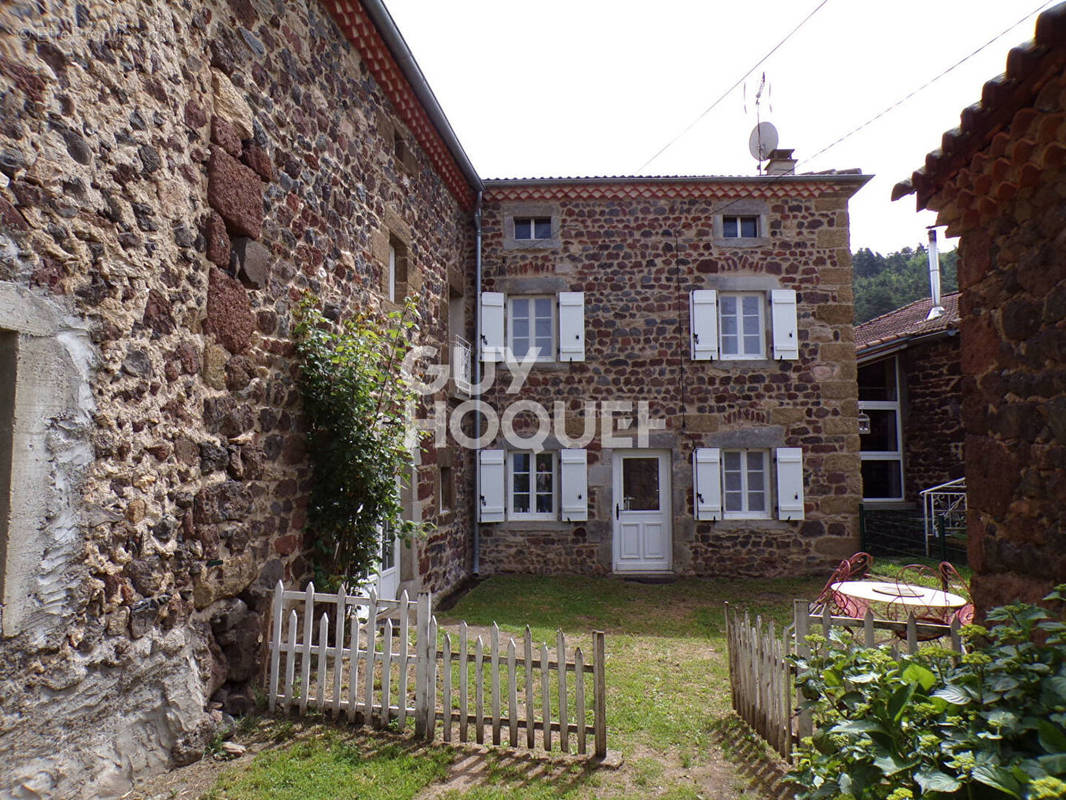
[884, 283]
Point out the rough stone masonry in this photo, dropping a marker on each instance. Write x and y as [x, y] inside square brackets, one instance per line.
[173, 176]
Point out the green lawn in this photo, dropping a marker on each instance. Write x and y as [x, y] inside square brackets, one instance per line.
[668, 704]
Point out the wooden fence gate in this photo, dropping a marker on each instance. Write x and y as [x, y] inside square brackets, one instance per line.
[360, 664]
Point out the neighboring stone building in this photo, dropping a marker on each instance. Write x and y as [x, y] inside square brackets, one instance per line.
[909, 378]
[726, 305]
[998, 182]
[172, 178]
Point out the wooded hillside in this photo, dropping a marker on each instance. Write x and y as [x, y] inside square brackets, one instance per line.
[887, 282]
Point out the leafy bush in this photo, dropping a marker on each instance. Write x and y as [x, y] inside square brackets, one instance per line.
[354, 399]
[989, 725]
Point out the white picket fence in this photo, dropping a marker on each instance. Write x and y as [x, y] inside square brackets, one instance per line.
[359, 665]
[761, 675]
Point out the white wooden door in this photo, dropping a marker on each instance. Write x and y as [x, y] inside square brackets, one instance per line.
[389, 576]
[642, 517]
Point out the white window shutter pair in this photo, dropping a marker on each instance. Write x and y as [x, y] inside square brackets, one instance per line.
[573, 483]
[571, 326]
[707, 483]
[703, 313]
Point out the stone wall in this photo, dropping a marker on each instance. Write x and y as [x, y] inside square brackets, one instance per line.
[932, 415]
[172, 179]
[1012, 273]
[637, 250]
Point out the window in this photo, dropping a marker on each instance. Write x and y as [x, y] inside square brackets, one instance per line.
[447, 489]
[532, 485]
[532, 228]
[740, 227]
[531, 324]
[742, 326]
[882, 447]
[744, 484]
[397, 287]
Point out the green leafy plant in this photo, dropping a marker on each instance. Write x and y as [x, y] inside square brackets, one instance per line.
[991, 724]
[355, 400]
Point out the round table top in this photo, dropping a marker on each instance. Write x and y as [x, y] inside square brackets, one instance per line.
[903, 593]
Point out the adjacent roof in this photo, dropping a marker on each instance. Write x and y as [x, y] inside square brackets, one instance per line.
[1029, 68]
[905, 324]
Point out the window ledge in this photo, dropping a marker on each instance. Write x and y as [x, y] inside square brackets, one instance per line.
[536, 525]
[758, 241]
[531, 244]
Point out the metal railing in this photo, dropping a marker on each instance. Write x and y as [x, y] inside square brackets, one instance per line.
[943, 510]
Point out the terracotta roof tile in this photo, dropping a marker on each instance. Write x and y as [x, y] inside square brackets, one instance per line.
[907, 322]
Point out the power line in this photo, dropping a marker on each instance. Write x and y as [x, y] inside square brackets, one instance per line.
[927, 84]
[728, 91]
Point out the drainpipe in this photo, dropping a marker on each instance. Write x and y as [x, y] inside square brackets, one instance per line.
[934, 277]
[477, 388]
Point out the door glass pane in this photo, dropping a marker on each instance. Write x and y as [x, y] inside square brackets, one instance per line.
[881, 479]
[882, 435]
[640, 484]
[388, 550]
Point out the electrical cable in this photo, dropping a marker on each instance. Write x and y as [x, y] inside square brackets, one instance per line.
[729, 91]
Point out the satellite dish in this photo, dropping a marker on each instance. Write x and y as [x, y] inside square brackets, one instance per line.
[763, 139]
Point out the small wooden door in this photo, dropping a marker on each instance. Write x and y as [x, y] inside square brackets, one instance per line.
[642, 516]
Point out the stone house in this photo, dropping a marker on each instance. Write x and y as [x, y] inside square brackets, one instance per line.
[725, 306]
[909, 390]
[998, 182]
[173, 179]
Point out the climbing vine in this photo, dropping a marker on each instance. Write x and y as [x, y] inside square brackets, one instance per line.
[354, 399]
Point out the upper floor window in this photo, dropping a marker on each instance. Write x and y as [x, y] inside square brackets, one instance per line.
[397, 289]
[742, 325]
[740, 227]
[532, 228]
[532, 485]
[531, 325]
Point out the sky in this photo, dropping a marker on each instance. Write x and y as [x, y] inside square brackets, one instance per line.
[597, 87]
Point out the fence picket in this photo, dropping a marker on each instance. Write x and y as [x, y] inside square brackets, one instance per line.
[275, 643]
[912, 635]
[464, 669]
[530, 729]
[424, 709]
[479, 693]
[599, 659]
[579, 700]
[447, 689]
[431, 678]
[512, 695]
[494, 642]
[560, 657]
[405, 655]
[545, 698]
[338, 652]
[305, 653]
[353, 670]
[868, 627]
[371, 657]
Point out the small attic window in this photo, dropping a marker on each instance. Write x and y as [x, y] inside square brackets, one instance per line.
[532, 228]
[740, 227]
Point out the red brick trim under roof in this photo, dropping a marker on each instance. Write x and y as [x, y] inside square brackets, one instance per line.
[353, 20]
[670, 187]
[906, 323]
[1029, 68]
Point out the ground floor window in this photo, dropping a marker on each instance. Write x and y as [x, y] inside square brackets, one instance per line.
[532, 485]
[745, 485]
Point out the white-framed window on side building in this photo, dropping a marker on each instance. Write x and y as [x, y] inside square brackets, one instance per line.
[531, 324]
[531, 485]
[745, 484]
[881, 448]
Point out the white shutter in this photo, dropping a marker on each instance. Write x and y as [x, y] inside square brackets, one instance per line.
[571, 326]
[703, 308]
[493, 344]
[573, 481]
[789, 483]
[491, 503]
[783, 308]
[707, 482]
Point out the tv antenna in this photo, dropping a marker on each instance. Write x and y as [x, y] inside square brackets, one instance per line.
[763, 139]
